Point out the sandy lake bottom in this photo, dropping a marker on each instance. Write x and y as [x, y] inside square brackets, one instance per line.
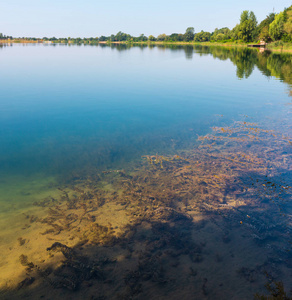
[211, 222]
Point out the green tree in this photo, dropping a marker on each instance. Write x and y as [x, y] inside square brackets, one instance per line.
[263, 28]
[288, 25]
[202, 36]
[221, 34]
[276, 28]
[189, 34]
[151, 38]
[142, 38]
[121, 36]
[265, 34]
[162, 37]
[103, 38]
[176, 37]
[234, 33]
[248, 26]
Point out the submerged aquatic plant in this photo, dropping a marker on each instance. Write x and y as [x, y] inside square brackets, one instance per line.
[137, 229]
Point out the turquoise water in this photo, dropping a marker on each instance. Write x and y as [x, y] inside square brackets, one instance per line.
[66, 107]
[69, 112]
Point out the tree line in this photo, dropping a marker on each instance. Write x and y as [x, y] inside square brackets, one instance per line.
[275, 27]
[4, 37]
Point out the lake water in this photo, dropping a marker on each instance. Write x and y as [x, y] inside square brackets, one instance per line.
[144, 172]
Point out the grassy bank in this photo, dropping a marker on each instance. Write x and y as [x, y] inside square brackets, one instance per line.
[24, 41]
[278, 46]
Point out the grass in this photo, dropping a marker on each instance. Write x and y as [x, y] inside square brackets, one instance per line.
[280, 46]
[277, 46]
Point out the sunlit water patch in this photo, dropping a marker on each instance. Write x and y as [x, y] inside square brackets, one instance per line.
[134, 173]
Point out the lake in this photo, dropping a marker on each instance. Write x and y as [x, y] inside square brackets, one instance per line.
[144, 172]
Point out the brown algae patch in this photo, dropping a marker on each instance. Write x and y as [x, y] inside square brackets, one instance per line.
[210, 222]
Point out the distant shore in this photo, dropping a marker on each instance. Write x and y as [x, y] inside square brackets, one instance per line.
[283, 47]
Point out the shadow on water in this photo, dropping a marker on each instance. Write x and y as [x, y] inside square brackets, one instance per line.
[213, 222]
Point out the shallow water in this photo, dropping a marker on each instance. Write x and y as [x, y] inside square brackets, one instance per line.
[166, 171]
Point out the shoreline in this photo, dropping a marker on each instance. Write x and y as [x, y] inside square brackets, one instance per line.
[152, 43]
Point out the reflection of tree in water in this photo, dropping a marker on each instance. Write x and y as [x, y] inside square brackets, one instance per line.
[101, 45]
[5, 45]
[278, 65]
[120, 47]
[245, 62]
[189, 50]
[245, 59]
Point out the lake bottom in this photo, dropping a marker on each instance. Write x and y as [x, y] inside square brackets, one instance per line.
[210, 222]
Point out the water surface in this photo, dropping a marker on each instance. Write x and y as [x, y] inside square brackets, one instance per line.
[152, 152]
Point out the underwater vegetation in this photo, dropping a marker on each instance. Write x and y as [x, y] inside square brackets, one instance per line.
[191, 225]
[275, 289]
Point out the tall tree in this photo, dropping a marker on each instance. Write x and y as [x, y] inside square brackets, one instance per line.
[276, 29]
[263, 28]
[288, 23]
[189, 34]
[162, 37]
[202, 36]
[151, 38]
[221, 34]
[247, 27]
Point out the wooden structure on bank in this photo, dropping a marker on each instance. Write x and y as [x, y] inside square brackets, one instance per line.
[262, 44]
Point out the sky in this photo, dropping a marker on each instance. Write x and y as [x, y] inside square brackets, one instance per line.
[93, 18]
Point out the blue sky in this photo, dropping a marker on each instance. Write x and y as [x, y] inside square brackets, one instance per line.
[72, 18]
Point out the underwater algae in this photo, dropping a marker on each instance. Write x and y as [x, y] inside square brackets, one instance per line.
[207, 223]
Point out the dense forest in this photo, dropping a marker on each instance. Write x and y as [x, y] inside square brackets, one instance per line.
[275, 27]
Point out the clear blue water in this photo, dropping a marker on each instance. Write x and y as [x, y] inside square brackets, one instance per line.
[67, 112]
[66, 107]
